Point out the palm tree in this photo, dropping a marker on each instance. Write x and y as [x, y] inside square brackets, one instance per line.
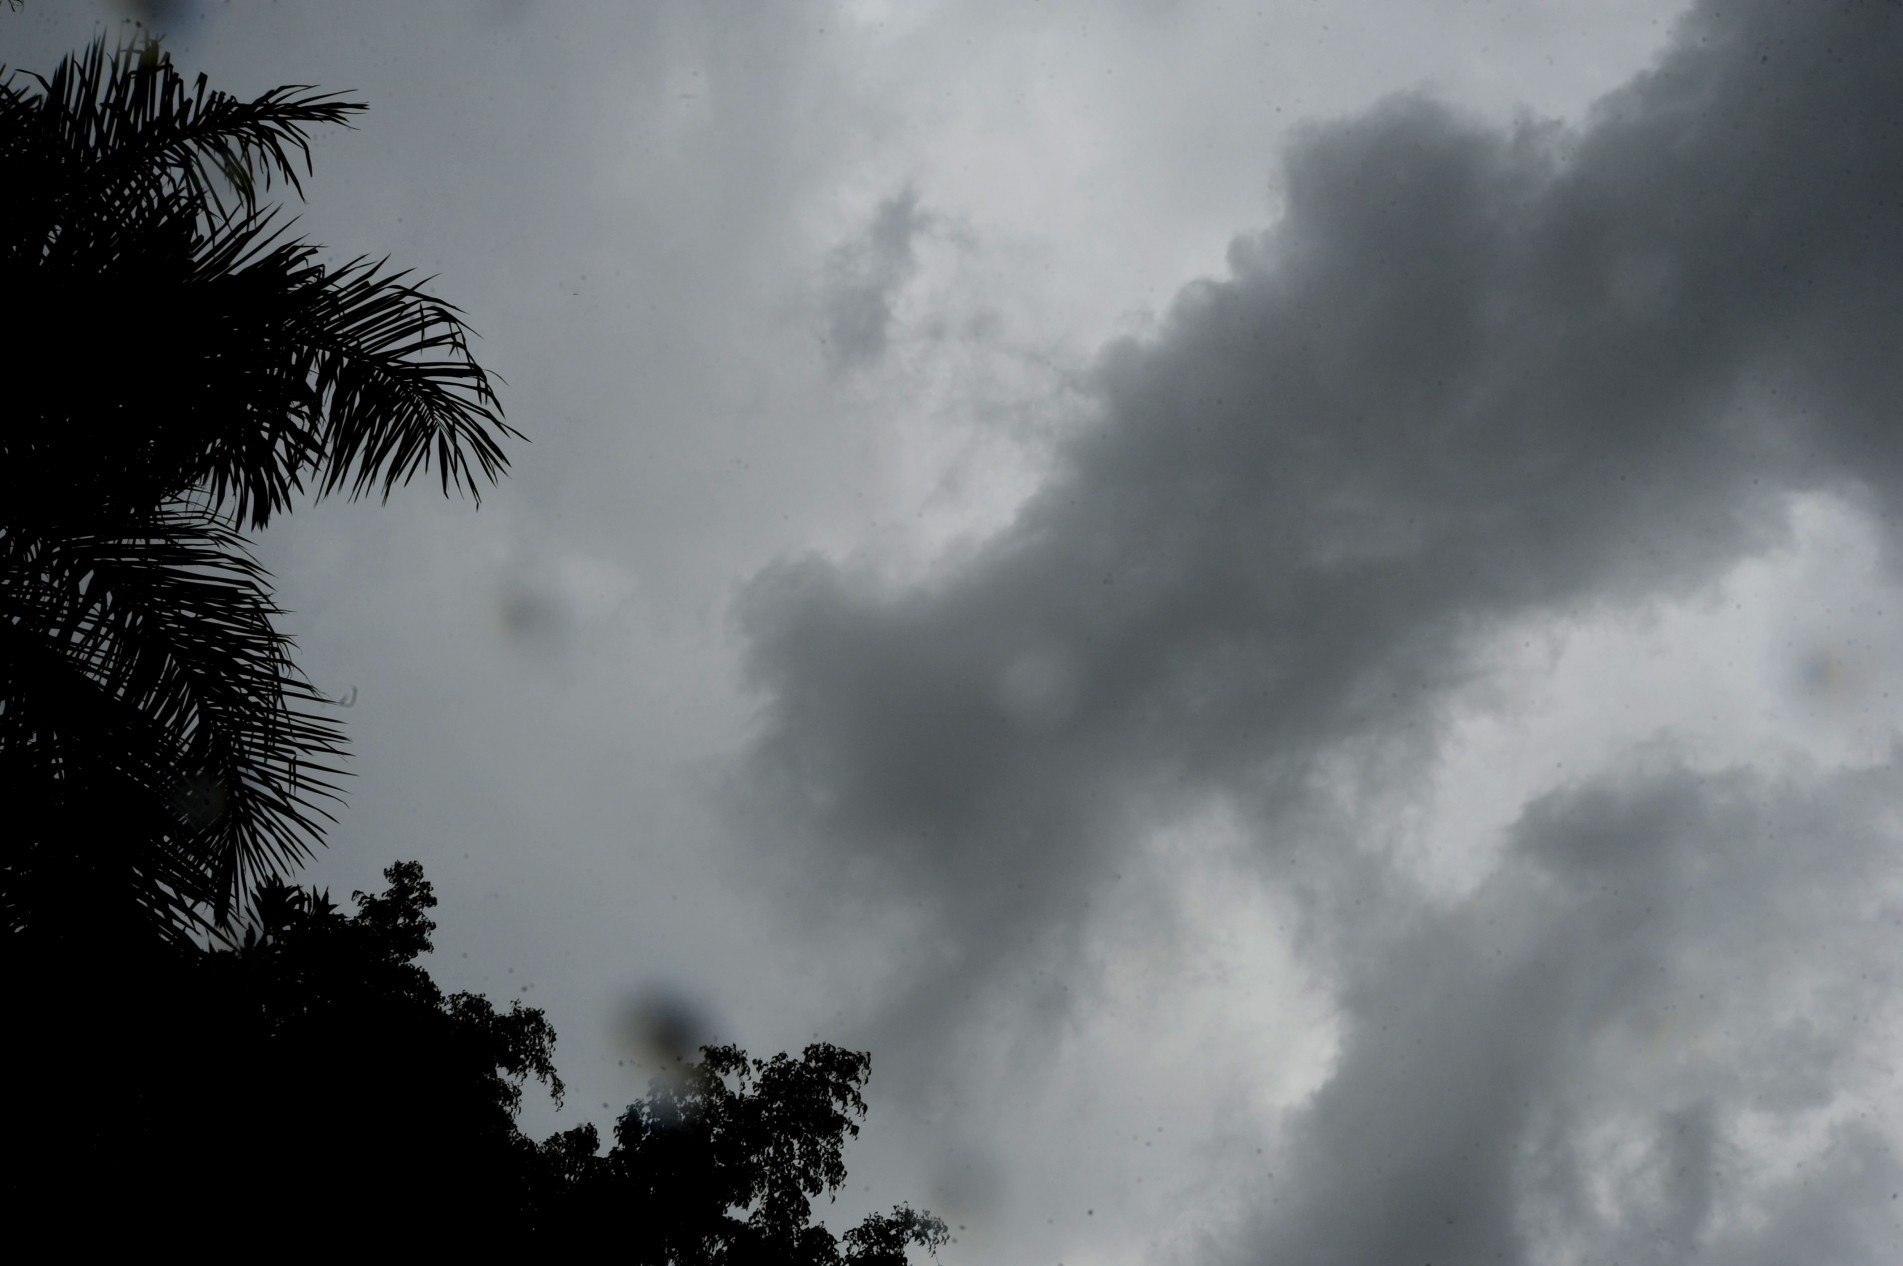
[177, 372]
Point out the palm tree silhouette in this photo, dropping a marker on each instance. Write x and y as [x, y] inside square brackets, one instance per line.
[179, 372]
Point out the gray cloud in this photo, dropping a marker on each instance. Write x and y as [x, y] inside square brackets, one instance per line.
[1472, 376]
[1636, 1042]
[1469, 377]
[863, 277]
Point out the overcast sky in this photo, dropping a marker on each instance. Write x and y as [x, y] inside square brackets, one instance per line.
[1287, 610]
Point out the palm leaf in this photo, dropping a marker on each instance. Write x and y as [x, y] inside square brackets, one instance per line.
[400, 391]
[353, 370]
[150, 653]
[112, 133]
[149, 704]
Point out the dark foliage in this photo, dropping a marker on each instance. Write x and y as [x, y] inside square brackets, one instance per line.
[722, 1166]
[309, 1063]
[178, 371]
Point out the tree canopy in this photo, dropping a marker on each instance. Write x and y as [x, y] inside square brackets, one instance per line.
[722, 1165]
[308, 1059]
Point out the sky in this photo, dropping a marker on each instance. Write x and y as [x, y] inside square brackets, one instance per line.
[1283, 609]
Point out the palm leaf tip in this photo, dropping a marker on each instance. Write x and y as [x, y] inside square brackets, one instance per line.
[401, 393]
[125, 127]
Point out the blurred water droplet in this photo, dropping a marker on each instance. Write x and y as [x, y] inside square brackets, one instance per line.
[167, 17]
[534, 620]
[1830, 676]
[664, 1028]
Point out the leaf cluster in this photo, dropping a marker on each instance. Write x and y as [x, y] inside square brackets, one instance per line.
[306, 1056]
[236, 362]
[155, 736]
[721, 1165]
[337, 992]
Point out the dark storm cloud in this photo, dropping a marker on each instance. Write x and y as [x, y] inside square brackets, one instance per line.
[863, 277]
[1472, 376]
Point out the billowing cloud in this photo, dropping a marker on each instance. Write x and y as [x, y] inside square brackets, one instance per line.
[1472, 376]
[1653, 1035]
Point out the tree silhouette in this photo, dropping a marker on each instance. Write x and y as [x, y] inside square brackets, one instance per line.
[179, 372]
[307, 1061]
[721, 1165]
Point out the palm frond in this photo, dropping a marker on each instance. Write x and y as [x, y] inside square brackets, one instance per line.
[206, 387]
[400, 391]
[147, 702]
[253, 366]
[112, 134]
[145, 660]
